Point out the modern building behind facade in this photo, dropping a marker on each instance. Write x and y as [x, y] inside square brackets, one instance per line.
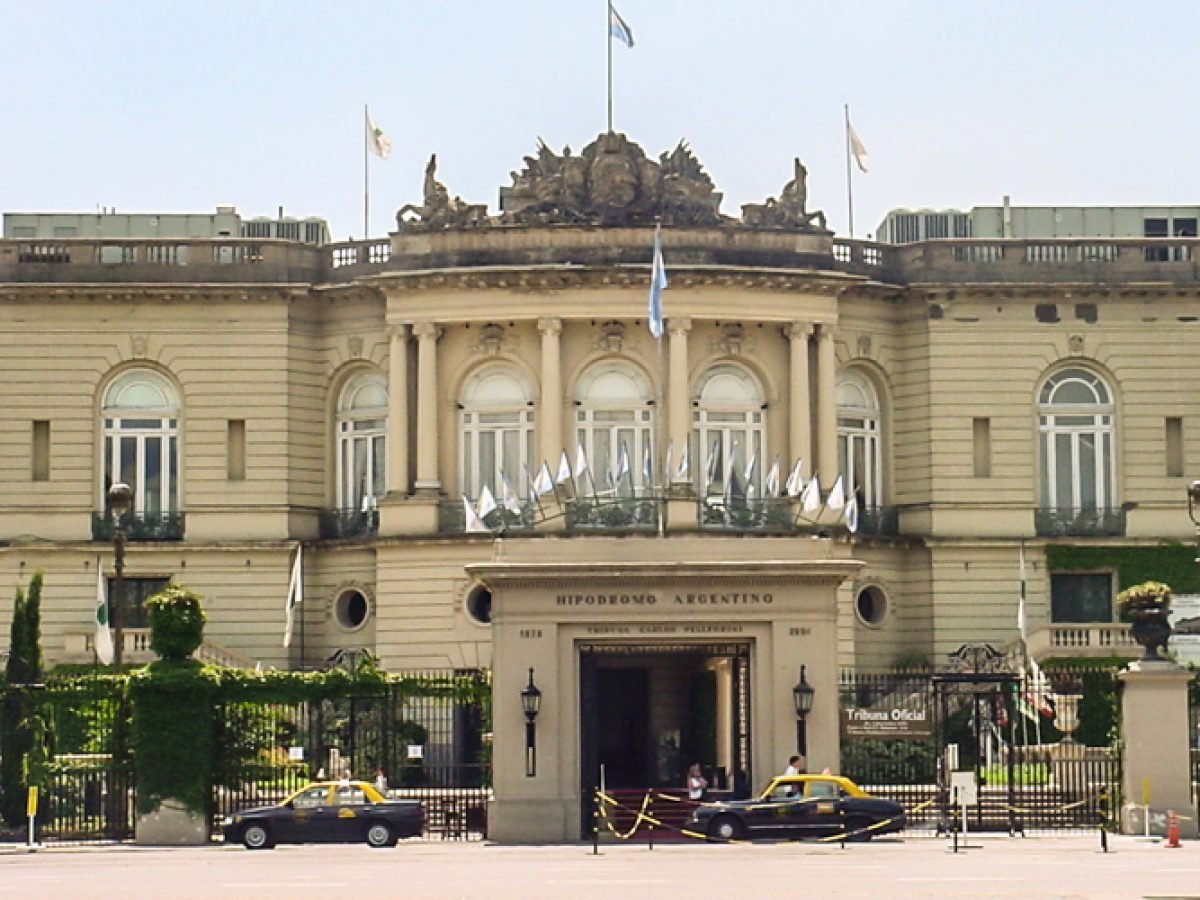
[366, 400]
[903, 226]
[108, 223]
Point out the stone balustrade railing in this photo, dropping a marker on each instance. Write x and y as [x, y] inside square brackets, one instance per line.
[79, 647]
[1083, 640]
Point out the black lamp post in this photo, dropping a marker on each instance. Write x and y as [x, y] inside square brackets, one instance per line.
[531, 702]
[802, 697]
[120, 498]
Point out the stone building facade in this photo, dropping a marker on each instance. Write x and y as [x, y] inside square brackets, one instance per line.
[969, 398]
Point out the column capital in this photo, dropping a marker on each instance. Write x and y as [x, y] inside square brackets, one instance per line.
[397, 332]
[676, 325]
[797, 331]
[551, 327]
[427, 330]
[827, 330]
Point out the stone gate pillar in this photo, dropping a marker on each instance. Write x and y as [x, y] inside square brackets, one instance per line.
[1154, 731]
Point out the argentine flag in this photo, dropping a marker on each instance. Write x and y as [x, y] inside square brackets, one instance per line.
[617, 27]
[658, 283]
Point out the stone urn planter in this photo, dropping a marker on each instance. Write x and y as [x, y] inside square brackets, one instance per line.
[1147, 607]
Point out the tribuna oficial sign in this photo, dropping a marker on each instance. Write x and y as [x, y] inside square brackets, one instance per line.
[886, 722]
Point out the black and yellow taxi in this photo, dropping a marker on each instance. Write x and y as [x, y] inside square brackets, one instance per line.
[327, 812]
[800, 806]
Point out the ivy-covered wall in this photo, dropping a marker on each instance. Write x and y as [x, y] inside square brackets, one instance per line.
[1173, 563]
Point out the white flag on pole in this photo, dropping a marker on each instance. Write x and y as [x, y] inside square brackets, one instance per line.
[658, 283]
[1021, 623]
[508, 497]
[103, 641]
[795, 479]
[810, 497]
[681, 473]
[473, 522]
[857, 150]
[377, 141]
[543, 483]
[295, 595]
[564, 469]
[487, 502]
[837, 495]
[851, 515]
[772, 485]
[581, 463]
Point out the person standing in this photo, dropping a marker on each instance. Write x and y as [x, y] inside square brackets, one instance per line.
[794, 766]
[697, 784]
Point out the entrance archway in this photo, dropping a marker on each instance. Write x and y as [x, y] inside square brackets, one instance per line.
[648, 711]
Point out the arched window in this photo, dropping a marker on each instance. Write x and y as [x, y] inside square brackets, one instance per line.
[497, 431]
[859, 455]
[1075, 421]
[362, 442]
[140, 412]
[729, 429]
[613, 411]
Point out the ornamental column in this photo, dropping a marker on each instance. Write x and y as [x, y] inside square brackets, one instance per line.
[427, 420]
[827, 462]
[397, 458]
[800, 403]
[551, 407]
[678, 405]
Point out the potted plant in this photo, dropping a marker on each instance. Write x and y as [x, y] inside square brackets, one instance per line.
[1146, 606]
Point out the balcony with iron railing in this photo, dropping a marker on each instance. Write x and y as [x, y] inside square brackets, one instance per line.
[334, 524]
[1079, 522]
[878, 521]
[771, 515]
[140, 526]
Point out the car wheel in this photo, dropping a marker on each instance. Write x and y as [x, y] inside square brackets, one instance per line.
[257, 837]
[726, 828]
[380, 835]
[856, 827]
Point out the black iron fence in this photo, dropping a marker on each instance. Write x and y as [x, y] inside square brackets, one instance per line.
[88, 789]
[430, 746]
[1040, 750]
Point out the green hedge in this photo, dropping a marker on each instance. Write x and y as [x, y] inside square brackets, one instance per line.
[1173, 563]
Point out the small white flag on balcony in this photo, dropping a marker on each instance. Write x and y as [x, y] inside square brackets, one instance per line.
[810, 497]
[837, 495]
[487, 502]
[795, 479]
[474, 524]
[851, 515]
[543, 484]
[295, 595]
[103, 640]
[508, 497]
[563, 475]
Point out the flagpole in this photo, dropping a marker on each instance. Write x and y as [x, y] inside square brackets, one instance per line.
[608, 39]
[849, 175]
[367, 179]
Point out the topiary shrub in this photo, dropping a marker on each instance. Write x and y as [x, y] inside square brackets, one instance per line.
[176, 622]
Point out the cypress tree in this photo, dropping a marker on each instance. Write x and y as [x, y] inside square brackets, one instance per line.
[13, 710]
[35, 661]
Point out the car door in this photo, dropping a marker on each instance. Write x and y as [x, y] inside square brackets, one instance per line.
[350, 803]
[311, 815]
[819, 812]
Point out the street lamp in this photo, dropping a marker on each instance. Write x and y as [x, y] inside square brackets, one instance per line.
[120, 499]
[802, 697]
[531, 703]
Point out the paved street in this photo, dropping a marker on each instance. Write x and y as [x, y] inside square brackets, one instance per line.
[915, 867]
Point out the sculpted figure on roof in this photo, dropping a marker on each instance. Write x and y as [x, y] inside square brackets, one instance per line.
[611, 182]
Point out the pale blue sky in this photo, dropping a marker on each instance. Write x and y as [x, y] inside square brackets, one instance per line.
[177, 107]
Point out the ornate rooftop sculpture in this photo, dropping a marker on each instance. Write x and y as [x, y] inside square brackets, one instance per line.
[611, 182]
[789, 210]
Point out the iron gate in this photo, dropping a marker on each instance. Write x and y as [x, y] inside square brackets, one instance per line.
[1040, 745]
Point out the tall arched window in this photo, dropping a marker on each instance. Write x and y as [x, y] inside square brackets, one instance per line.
[497, 431]
[1075, 420]
[140, 412]
[859, 455]
[729, 429]
[362, 442]
[614, 410]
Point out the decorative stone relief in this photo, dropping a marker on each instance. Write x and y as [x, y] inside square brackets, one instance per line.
[1075, 344]
[139, 344]
[731, 340]
[864, 345]
[356, 348]
[612, 337]
[492, 339]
